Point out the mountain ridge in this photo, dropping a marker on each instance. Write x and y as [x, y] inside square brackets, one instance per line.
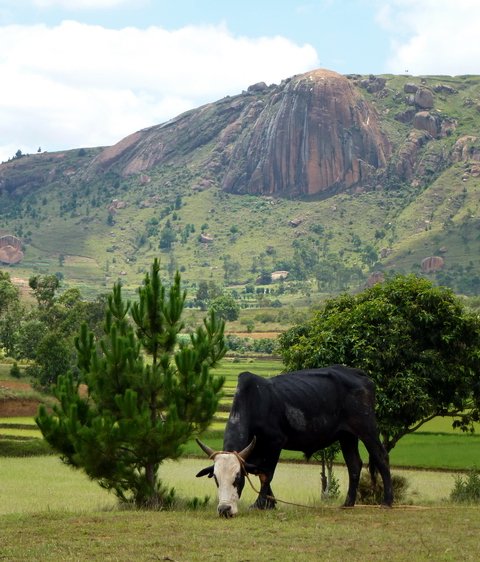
[315, 142]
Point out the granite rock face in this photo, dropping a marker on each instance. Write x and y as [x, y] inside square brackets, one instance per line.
[316, 134]
[312, 134]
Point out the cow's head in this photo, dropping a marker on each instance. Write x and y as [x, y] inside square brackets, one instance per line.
[228, 471]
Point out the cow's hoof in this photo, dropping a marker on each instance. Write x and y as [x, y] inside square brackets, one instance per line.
[348, 505]
[263, 504]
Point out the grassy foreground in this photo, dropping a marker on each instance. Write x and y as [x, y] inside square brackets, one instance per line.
[286, 534]
[50, 512]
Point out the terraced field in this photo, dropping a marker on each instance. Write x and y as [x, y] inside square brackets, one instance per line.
[436, 446]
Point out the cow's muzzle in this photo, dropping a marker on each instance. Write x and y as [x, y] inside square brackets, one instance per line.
[225, 510]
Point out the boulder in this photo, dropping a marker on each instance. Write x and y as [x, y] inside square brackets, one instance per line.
[448, 126]
[410, 88]
[295, 222]
[425, 121]
[408, 154]
[432, 264]
[279, 275]
[466, 148]
[376, 84]
[410, 99]
[373, 84]
[405, 116]
[424, 98]
[116, 205]
[444, 88]
[258, 87]
[10, 250]
[206, 238]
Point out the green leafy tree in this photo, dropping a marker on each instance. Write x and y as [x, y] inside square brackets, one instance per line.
[53, 357]
[15, 371]
[10, 313]
[305, 258]
[225, 307]
[8, 292]
[137, 413]
[416, 341]
[167, 237]
[46, 333]
[206, 292]
[9, 326]
[30, 333]
[329, 484]
[44, 288]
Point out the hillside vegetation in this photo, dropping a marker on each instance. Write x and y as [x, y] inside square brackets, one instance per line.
[93, 220]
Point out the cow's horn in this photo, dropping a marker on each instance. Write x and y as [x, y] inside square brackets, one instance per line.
[205, 448]
[248, 449]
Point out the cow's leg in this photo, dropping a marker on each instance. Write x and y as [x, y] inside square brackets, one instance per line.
[349, 445]
[379, 456]
[265, 499]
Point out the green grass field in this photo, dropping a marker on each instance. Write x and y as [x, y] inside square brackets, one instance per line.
[283, 535]
[44, 483]
[51, 512]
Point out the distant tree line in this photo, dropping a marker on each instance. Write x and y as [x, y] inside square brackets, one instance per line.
[43, 334]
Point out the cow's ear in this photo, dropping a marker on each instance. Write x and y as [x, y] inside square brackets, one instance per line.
[251, 468]
[206, 472]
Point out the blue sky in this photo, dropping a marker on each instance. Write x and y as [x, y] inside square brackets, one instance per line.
[89, 72]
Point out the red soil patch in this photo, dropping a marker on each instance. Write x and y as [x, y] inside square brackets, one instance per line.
[10, 408]
[15, 385]
[17, 407]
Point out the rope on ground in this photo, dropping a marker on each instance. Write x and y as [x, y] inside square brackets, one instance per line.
[357, 505]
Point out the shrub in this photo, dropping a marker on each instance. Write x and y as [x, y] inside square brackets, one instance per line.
[467, 489]
[373, 495]
[15, 371]
[196, 503]
[333, 489]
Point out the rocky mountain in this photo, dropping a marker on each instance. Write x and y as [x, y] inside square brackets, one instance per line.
[313, 134]
[390, 141]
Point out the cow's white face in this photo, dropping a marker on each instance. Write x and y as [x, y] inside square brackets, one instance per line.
[228, 471]
[229, 478]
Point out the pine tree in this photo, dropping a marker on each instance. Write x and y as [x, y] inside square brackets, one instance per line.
[149, 391]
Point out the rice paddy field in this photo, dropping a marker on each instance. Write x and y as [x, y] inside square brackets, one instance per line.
[435, 446]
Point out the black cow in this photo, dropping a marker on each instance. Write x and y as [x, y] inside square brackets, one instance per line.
[301, 411]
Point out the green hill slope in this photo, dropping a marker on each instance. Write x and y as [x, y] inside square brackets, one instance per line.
[94, 225]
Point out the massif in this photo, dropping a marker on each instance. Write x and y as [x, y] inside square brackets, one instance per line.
[315, 133]
[311, 137]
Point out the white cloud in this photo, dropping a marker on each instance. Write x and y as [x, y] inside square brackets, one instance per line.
[83, 85]
[432, 36]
